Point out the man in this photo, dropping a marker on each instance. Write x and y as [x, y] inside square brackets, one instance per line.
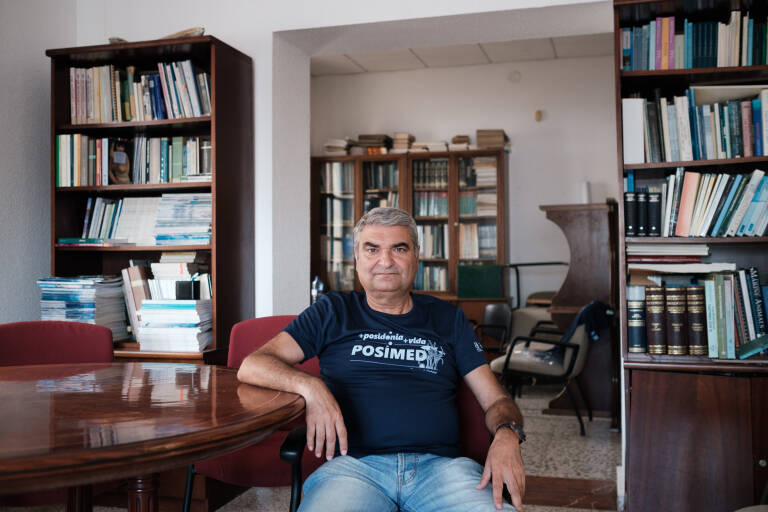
[390, 363]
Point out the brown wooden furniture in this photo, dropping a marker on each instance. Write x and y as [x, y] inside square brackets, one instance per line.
[696, 426]
[230, 128]
[77, 424]
[416, 187]
[591, 233]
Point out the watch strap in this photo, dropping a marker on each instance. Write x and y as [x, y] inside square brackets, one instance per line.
[514, 427]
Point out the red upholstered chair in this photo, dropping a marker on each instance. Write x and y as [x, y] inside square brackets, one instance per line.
[48, 342]
[258, 465]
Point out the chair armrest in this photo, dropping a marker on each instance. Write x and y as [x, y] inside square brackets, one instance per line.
[544, 330]
[293, 447]
[544, 322]
[502, 341]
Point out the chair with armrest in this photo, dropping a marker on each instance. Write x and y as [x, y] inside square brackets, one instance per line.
[493, 333]
[52, 342]
[257, 465]
[474, 441]
[550, 355]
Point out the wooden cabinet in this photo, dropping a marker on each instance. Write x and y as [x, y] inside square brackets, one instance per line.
[228, 127]
[457, 199]
[696, 426]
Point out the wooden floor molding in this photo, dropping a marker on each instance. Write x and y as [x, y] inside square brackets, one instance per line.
[570, 492]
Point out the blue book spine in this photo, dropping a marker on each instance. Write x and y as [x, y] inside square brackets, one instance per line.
[757, 125]
[750, 41]
[727, 203]
[707, 131]
[755, 209]
[646, 47]
[164, 160]
[694, 125]
[626, 49]
[630, 181]
[765, 303]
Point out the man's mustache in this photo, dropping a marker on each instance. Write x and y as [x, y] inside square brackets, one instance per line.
[386, 271]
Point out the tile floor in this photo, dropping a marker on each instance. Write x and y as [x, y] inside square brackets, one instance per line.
[554, 448]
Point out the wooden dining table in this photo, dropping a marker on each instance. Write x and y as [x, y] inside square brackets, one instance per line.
[73, 425]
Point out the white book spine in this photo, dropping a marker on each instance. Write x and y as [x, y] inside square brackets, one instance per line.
[746, 198]
[668, 205]
[683, 128]
[665, 130]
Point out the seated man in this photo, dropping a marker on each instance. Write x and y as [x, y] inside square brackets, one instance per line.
[390, 364]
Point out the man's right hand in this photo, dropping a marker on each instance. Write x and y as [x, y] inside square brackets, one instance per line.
[325, 423]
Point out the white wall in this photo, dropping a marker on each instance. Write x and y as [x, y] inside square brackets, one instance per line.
[282, 146]
[549, 161]
[26, 30]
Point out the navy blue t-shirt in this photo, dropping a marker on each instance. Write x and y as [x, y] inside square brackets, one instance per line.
[394, 376]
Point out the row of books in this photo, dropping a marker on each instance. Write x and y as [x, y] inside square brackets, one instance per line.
[431, 277]
[716, 315]
[82, 160]
[338, 178]
[335, 211]
[433, 240]
[707, 123]
[88, 299]
[374, 200]
[340, 275]
[430, 204]
[337, 248]
[690, 203]
[403, 142]
[430, 173]
[106, 94]
[473, 202]
[660, 44]
[378, 175]
[172, 219]
[477, 240]
[477, 172]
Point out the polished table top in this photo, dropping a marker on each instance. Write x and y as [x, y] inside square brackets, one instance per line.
[75, 424]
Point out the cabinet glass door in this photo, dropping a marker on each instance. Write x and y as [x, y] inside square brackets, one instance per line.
[380, 184]
[478, 196]
[430, 209]
[336, 224]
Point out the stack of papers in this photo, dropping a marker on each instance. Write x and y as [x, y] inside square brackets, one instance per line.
[176, 325]
[184, 219]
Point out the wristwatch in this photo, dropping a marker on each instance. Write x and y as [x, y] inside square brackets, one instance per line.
[514, 427]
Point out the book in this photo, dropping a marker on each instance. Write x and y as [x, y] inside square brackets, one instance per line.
[655, 321]
[630, 214]
[654, 214]
[757, 301]
[744, 201]
[636, 327]
[642, 213]
[753, 347]
[633, 137]
[675, 317]
[687, 202]
[696, 320]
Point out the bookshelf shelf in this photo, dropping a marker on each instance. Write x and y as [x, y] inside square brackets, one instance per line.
[744, 240]
[404, 177]
[160, 123]
[229, 128]
[666, 394]
[138, 189]
[132, 248]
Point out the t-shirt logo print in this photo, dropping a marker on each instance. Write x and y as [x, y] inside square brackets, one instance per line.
[394, 349]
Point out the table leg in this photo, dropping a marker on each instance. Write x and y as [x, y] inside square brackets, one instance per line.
[80, 499]
[142, 493]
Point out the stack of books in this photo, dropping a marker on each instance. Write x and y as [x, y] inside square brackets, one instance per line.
[485, 171]
[429, 146]
[459, 143]
[184, 219]
[491, 138]
[335, 147]
[171, 270]
[375, 144]
[175, 325]
[402, 142]
[89, 299]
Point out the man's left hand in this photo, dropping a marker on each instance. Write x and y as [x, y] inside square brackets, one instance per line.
[504, 465]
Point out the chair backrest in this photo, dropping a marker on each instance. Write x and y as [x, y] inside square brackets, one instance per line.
[585, 328]
[52, 342]
[248, 335]
[497, 313]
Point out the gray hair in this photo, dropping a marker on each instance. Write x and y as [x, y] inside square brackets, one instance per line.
[386, 216]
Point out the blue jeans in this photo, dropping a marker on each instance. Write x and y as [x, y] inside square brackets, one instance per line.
[409, 482]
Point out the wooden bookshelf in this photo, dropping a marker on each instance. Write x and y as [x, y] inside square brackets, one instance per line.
[703, 417]
[230, 129]
[411, 188]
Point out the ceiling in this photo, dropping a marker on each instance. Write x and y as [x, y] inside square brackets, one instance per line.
[592, 45]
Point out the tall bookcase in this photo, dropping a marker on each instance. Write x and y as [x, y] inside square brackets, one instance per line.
[456, 197]
[230, 129]
[695, 426]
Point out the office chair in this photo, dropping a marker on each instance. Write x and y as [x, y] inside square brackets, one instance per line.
[554, 356]
[474, 441]
[257, 465]
[52, 342]
[493, 333]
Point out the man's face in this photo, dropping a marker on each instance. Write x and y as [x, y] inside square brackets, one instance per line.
[387, 260]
